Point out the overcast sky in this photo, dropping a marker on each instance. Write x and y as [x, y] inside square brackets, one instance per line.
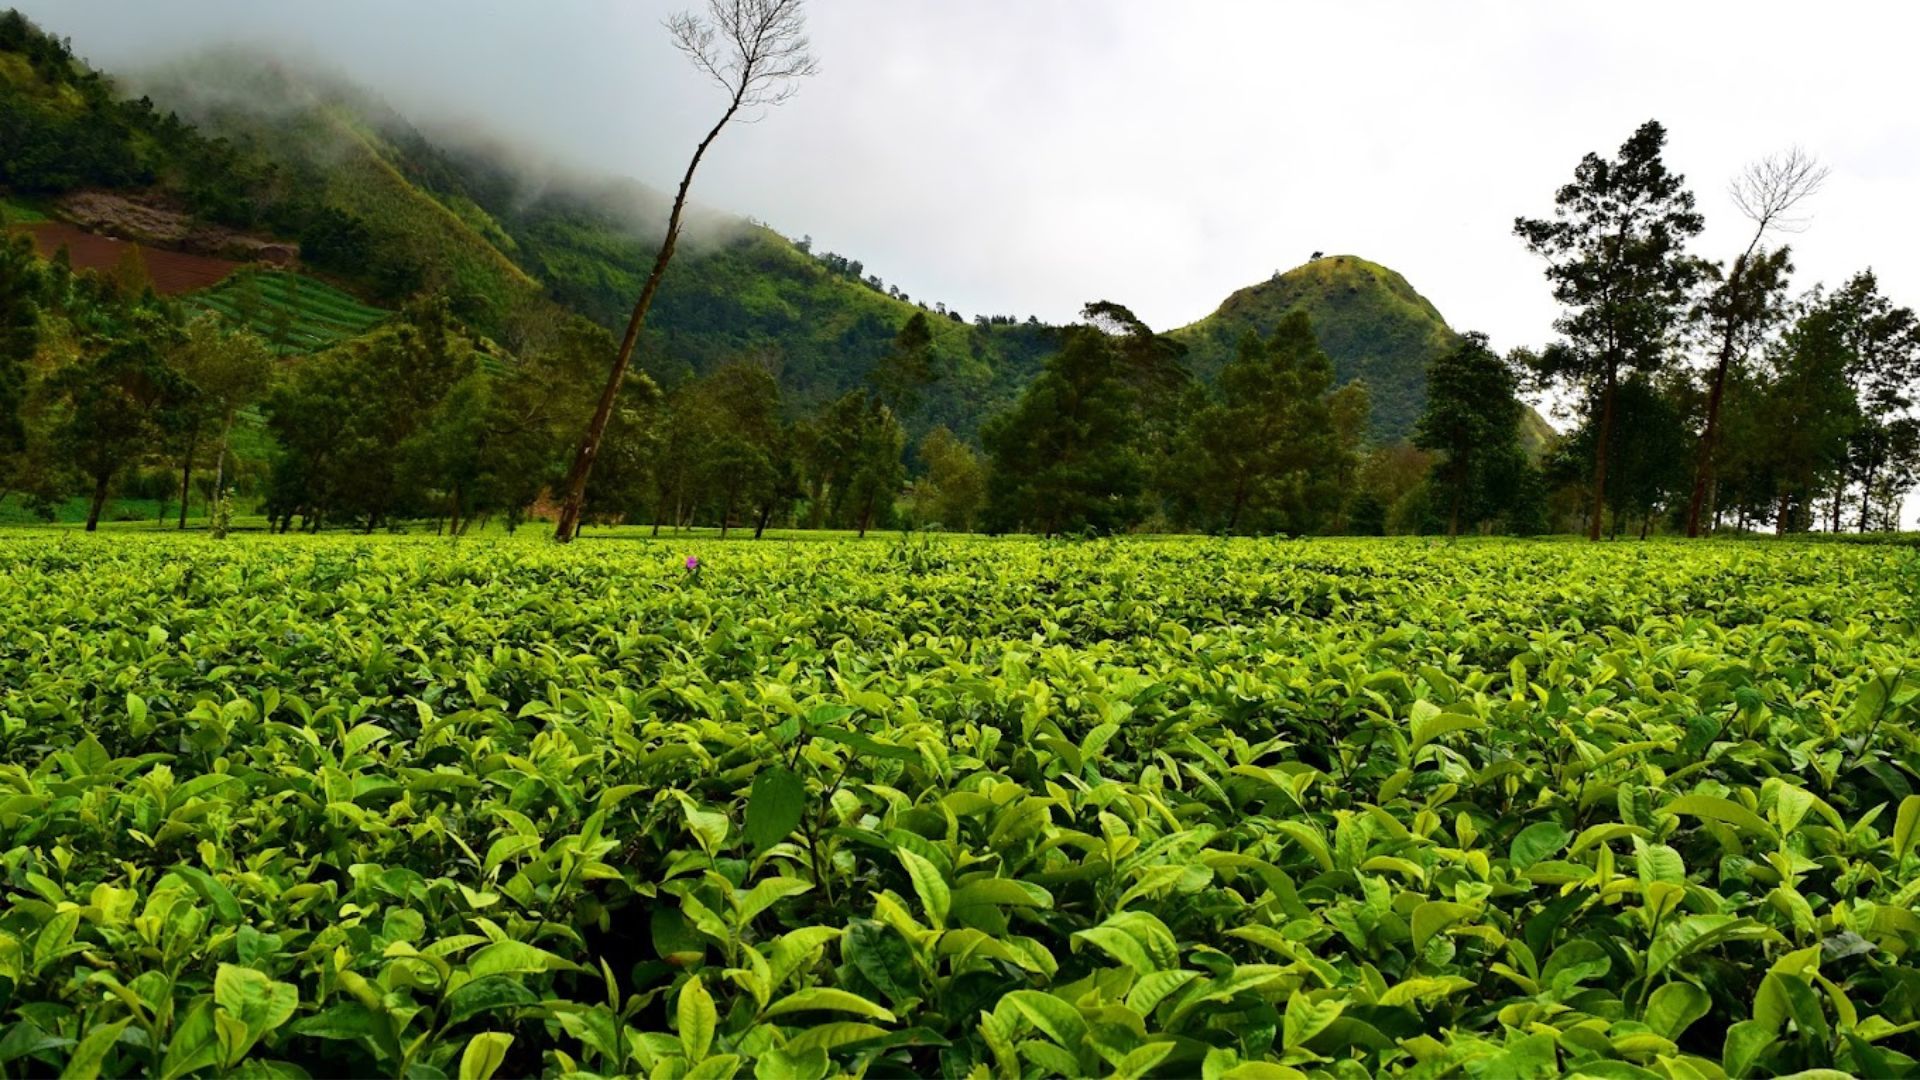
[1025, 157]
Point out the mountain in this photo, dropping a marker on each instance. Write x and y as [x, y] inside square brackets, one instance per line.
[1372, 324]
[261, 156]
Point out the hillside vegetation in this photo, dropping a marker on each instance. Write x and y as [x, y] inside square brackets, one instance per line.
[294, 313]
[1372, 324]
[250, 143]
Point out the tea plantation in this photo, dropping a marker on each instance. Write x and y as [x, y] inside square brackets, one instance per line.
[407, 807]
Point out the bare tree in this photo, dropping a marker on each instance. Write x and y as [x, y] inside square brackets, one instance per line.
[1767, 192]
[757, 51]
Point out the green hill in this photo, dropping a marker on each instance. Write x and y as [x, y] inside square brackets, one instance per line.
[388, 211]
[1372, 324]
[259, 149]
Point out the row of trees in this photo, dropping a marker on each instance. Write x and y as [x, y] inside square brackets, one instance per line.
[106, 387]
[1705, 393]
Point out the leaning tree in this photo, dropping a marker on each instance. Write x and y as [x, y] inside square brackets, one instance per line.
[757, 51]
[1750, 297]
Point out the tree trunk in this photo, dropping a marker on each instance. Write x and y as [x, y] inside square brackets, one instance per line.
[1646, 520]
[1866, 496]
[1600, 454]
[99, 500]
[726, 515]
[1453, 516]
[186, 477]
[817, 508]
[866, 516]
[576, 482]
[1704, 465]
[1781, 522]
[220, 460]
[766, 514]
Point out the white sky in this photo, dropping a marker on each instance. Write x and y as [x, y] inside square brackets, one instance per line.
[1022, 157]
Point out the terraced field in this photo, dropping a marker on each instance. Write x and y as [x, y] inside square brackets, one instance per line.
[293, 312]
[329, 806]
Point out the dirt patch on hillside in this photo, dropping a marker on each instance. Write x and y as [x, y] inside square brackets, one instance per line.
[172, 272]
[154, 223]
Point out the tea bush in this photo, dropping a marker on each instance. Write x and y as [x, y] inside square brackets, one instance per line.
[396, 806]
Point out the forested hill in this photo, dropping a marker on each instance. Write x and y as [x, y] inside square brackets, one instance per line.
[243, 143]
[1372, 324]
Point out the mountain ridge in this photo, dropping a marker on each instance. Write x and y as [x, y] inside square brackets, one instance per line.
[378, 204]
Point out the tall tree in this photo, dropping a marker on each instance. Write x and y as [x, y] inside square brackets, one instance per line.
[1882, 346]
[907, 369]
[876, 471]
[1068, 456]
[118, 399]
[955, 484]
[1748, 299]
[1616, 258]
[1472, 419]
[231, 369]
[757, 51]
[1808, 410]
[1266, 453]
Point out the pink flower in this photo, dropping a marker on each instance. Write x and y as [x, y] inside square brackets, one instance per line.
[693, 562]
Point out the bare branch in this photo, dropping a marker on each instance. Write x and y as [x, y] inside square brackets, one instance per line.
[756, 50]
[1768, 190]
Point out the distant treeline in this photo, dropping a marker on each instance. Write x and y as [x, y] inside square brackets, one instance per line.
[105, 386]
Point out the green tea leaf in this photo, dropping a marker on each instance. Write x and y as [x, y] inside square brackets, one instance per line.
[485, 1053]
[935, 898]
[774, 806]
[1535, 842]
[1674, 1007]
[1906, 826]
[92, 1051]
[828, 999]
[1306, 1018]
[1714, 808]
[696, 1018]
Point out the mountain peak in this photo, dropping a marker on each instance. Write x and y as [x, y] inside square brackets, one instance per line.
[1371, 322]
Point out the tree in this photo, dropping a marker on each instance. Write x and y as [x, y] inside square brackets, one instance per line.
[117, 399]
[756, 50]
[1472, 419]
[908, 368]
[1807, 410]
[1747, 300]
[1067, 456]
[877, 471]
[230, 370]
[20, 287]
[1266, 453]
[1882, 347]
[955, 484]
[825, 447]
[1615, 251]
[746, 459]
[355, 424]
